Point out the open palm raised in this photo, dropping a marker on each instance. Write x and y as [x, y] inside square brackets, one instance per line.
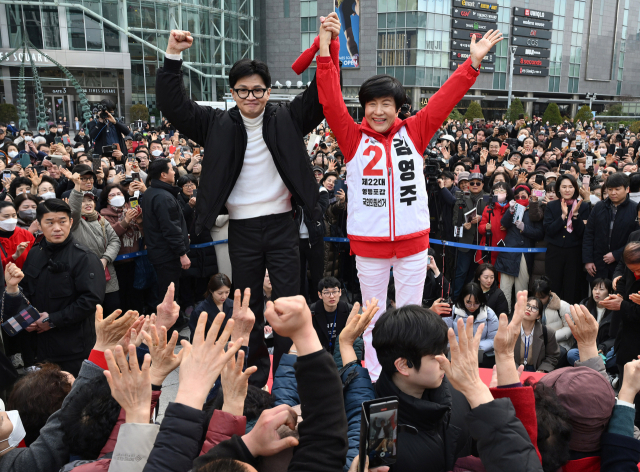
[480, 49]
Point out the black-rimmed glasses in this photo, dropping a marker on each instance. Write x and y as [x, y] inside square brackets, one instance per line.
[244, 93]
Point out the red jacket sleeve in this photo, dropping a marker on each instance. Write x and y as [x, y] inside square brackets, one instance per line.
[423, 126]
[221, 427]
[524, 403]
[482, 226]
[347, 132]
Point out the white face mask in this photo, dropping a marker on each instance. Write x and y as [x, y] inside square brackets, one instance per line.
[162, 136]
[80, 149]
[28, 138]
[156, 153]
[59, 130]
[522, 137]
[18, 433]
[8, 225]
[501, 197]
[117, 201]
[13, 154]
[48, 195]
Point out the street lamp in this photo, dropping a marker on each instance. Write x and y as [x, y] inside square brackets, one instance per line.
[591, 97]
[512, 60]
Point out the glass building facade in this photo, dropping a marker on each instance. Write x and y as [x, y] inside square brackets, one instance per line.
[224, 31]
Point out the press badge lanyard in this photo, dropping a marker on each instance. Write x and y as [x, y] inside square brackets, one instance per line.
[527, 343]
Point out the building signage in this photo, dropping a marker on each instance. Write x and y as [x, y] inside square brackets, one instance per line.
[462, 56]
[475, 4]
[69, 90]
[533, 52]
[531, 33]
[466, 34]
[532, 23]
[532, 42]
[473, 25]
[531, 62]
[17, 57]
[529, 13]
[526, 70]
[465, 45]
[483, 67]
[475, 15]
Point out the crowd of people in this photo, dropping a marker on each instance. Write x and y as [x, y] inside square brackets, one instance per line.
[283, 338]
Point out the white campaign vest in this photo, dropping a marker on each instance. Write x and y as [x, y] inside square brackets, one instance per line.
[387, 191]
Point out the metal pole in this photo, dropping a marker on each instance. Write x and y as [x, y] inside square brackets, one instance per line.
[512, 57]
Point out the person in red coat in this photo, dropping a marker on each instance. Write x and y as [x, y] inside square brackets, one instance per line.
[490, 222]
[15, 242]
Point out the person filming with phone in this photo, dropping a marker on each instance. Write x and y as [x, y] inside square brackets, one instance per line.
[108, 130]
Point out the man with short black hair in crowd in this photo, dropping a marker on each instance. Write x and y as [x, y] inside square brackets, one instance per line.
[143, 156]
[64, 281]
[258, 166]
[53, 132]
[329, 313]
[109, 131]
[87, 177]
[608, 228]
[156, 149]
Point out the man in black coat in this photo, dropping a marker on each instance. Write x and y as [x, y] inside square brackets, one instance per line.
[108, 130]
[610, 223]
[165, 229]
[257, 170]
[64, 281]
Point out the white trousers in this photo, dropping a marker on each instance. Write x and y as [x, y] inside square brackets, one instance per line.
[409, 274]
[521, 282]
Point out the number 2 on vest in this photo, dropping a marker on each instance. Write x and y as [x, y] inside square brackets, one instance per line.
[377, 155]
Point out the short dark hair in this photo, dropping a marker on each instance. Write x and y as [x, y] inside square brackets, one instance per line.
[37, 396]
[221, 465]
[183, 180]
[17, 182]
[156, 168]
[104, 195]
[328, 282]
[87, 421]
[51, 180]
[473, 289]
[591, 303]
[216, 282]
[410, 332]
[246, 68]
[108, 103]
[538, 304]
[19, 200]
[53, 205]
[380, 86]
[527, 156]
[571, 179]
[619, 179]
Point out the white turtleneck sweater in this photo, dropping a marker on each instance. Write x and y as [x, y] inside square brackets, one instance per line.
[259, 190]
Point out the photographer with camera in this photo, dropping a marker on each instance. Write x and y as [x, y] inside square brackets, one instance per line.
[108, 130]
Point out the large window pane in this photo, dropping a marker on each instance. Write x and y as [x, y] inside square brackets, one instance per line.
[148, 15]
[163, 21]
[75, 24]
[111, 40]
[134, 17]
[94, 34]
[33, 24]
[110, 11]
[50, 29]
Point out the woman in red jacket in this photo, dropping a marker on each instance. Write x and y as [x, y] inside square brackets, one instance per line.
[492, 222]
[15, 242]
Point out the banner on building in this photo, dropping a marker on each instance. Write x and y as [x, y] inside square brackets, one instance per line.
[349, 13]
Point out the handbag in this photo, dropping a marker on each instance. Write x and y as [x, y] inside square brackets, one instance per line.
[18, 322]
[107, 274]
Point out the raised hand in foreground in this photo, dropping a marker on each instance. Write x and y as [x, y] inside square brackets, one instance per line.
[462, 371]
[356, 324]
[203, 361]
[505, 341]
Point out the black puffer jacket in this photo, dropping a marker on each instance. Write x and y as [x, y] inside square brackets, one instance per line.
[67, 281]
[165, 229]
[439, 417]
[496, 300]
[225, 141]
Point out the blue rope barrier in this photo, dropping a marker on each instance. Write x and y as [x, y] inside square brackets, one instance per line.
[346, 240]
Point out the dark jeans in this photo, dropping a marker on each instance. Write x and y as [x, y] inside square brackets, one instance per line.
[255, 244]
[130, 298]
[111, 302]
[313, 255]
[465, 266]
